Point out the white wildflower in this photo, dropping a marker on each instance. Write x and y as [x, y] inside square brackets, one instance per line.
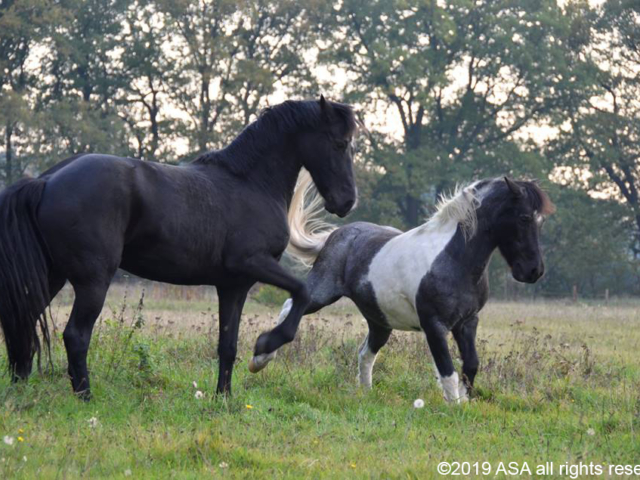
[24, 459]
[8, 440]
[93, 422]
[199, 395]
[223, 465]
[418, 403]
[591, 432]
[127, 472]
[195, 384]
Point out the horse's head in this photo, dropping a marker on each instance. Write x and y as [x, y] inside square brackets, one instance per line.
[517, 225]
[327, 153]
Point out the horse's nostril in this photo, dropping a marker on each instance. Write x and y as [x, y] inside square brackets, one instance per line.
[536, 272]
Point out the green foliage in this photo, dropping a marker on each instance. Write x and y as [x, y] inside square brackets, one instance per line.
[598, 148]
[463, 79]
[473, 89]
[587, 245]
[271, 296]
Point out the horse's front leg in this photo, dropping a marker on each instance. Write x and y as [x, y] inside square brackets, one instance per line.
[436, 334]
[465, 335]
[267, 270]
[230, 309]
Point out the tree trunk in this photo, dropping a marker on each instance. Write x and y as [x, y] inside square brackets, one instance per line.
[412, 211]
[205, 106]
[413, 204]
[155, 135]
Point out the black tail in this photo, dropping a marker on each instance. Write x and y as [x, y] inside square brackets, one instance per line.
[24, 276]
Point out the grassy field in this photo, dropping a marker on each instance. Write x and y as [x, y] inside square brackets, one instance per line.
[558, 383]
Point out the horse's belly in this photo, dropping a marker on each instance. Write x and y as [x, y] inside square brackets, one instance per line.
[178, 268]
[398, 310]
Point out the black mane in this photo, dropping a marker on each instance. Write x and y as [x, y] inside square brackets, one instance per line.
[537, 198]
[273, 123]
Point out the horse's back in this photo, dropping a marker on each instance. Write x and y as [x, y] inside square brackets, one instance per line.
[349, 250]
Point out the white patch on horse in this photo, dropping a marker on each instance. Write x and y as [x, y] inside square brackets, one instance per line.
[397, 269]
[539, 218]
[450, 388]
[366, 359]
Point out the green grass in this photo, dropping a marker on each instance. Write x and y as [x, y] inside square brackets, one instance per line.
[551, 374]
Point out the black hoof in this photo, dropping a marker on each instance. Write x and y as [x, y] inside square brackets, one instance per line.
[18, 378]
[84, 395]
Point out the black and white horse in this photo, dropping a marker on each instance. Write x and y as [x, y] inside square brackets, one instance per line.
[431, 279]
[220, 220]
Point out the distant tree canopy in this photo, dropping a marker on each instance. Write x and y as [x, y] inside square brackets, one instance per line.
[475, 89]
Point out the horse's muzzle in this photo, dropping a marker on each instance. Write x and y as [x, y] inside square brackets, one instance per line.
[527, 273]
[341, 210]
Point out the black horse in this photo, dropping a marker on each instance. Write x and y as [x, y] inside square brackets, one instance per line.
[220, 220]
[431, 279]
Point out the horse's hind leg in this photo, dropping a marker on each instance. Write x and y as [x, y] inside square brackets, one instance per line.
[77, 334]
[376, 339]
[323, 290]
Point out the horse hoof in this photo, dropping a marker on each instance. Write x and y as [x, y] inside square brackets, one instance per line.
[254, 367]
[258, 362]
[84, 395]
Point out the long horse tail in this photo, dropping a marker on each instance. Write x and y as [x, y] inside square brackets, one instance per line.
[308, 232]
[24, 276]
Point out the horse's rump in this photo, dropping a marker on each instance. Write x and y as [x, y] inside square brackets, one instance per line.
[24, 275]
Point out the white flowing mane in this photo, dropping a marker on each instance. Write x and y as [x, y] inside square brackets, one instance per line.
[459, 206]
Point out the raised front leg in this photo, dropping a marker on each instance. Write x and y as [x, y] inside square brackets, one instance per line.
[258, 362]
[267, 270]
[324, 289]
[231, 304]
[465, 335]
[437, 339]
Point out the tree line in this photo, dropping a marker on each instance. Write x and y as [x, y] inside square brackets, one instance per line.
[450, 91]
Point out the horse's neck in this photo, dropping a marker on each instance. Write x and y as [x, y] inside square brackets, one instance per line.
[277, 176]
[476, 253]
[274, 171]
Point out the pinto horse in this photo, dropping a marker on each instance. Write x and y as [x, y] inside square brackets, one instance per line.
[220, 220]
[431, 279]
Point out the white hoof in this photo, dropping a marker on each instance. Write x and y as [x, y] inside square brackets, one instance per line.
[451, 389]
[463, 394]
[258, 362]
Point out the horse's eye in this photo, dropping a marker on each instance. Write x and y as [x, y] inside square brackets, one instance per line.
[341, 144]
[526, 218]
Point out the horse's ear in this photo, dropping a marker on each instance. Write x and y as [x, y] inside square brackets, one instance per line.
[325, 107]
[516, 189]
